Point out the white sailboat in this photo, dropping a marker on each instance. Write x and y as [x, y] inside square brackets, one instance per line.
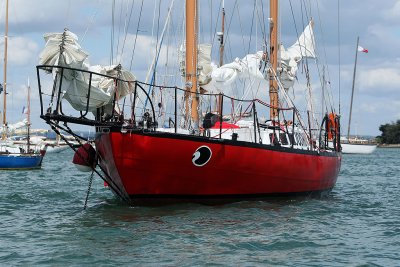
[355, 145]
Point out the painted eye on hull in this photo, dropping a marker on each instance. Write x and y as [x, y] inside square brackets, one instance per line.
[201, 156]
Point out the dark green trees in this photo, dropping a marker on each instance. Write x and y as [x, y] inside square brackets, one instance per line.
[390, 133]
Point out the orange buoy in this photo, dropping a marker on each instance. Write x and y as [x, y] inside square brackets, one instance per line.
[85, 158]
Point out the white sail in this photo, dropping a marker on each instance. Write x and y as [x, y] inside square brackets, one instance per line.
[73, 55]
[203, 64]
[75, 84]
[289, 59]
[251, 67]
[248, 67]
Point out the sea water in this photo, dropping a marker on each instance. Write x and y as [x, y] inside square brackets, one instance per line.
[43, 222]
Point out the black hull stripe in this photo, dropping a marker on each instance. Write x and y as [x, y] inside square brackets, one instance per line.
[202, 139]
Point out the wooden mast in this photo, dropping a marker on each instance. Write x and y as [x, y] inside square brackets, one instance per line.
[5, 77]
[273, 50]
[352, 90]
[191, 60]
[221, 36]
[221, 50]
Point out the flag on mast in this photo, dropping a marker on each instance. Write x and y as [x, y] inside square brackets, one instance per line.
[362, 49]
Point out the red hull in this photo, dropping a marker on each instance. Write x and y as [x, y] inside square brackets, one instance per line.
[155, 165]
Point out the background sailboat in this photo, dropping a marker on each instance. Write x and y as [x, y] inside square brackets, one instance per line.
[15, 155]
[355, 145]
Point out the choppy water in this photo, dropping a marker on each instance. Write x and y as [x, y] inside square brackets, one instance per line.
[358, 224]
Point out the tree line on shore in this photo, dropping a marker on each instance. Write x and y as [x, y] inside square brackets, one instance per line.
[390, 133]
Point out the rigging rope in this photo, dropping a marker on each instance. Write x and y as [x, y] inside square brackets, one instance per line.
[330, 97]
[126, 31]
[112, 33]
[136, 35]
[338, 25]
[119, 31]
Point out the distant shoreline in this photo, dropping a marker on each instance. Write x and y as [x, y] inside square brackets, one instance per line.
[389, 145]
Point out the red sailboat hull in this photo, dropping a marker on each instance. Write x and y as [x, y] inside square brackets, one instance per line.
[160, 165]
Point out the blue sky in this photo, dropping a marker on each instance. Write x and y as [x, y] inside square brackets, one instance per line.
[377, 96]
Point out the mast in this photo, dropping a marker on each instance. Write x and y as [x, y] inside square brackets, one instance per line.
[5, 77]
[221, 36]
[28, 115]
[323, 93]
[191, 60]
[352, 89]
[273, 50]
[221, 50]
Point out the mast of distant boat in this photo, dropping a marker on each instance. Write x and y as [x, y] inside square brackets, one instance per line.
[191, 62]
[28, 115]
[5, 77]
[273, 84]
[352, 90]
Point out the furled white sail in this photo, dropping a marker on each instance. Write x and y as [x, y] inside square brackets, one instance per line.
[63, 49]
[248, 67]
[73, 55]
[102, 89]
[217, 79]
[203, 62]
[304, 47]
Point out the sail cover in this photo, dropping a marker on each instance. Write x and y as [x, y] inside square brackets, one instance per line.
[63, 49]
[304, 47]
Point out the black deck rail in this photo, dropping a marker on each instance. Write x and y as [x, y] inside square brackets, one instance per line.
[55, 111]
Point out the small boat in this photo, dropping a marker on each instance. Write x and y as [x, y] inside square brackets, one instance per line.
[191, 141]
[14, 155]
[56, 148]
[356, 145]
[52, 146]
[17, 156]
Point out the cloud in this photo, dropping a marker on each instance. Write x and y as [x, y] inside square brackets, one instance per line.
[392, 13]
[382, 79]
[21, 50]
[144, 54]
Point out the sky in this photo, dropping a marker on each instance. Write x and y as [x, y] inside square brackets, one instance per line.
[339, 22]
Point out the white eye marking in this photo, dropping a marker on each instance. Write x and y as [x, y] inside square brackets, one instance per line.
[201, 156]
[196, 156]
